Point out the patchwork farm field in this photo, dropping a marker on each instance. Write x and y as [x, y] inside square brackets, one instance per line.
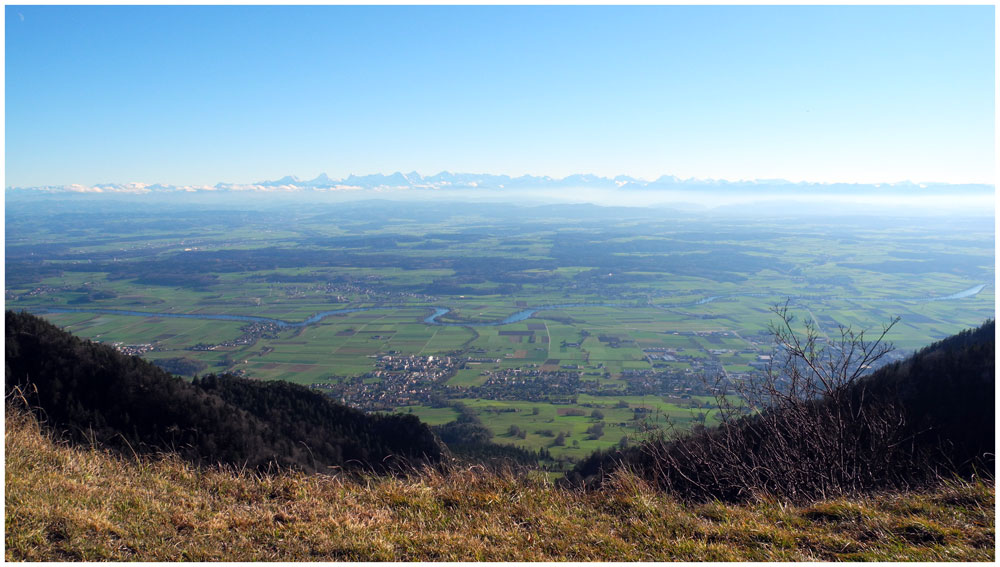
[532, 318]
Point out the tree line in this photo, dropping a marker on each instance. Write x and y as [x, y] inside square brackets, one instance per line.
[92, 393]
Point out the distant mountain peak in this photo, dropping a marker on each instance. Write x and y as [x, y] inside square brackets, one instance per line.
[286, 180]
[479, 181]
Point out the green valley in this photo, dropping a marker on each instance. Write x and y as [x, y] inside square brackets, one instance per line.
[545, 320]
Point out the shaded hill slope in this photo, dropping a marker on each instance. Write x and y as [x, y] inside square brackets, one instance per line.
[948, 392]
[93, 393]
[906, 425]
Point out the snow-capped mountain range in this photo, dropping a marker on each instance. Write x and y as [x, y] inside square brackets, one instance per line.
[484, 181]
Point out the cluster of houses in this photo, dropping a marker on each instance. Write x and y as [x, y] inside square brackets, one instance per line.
[134, 350]
[527, 384]
[33, 292]
[342, 292]
[250, 335]
[681, 384]
[398, 380]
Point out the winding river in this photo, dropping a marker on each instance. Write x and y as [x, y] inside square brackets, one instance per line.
[434, 318]
[959, 295]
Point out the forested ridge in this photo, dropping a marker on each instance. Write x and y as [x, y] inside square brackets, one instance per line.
[906, 425]
[92, 393]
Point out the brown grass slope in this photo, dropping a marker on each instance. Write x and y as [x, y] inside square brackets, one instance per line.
[72, 503]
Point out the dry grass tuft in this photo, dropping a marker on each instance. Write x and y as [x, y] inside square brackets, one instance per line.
[66, 503]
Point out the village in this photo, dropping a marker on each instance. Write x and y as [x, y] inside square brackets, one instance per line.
[251, 334]
[369, 289]
[402, 380]
[398, 380]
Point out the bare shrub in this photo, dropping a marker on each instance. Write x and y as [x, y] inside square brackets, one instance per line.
[802, 429]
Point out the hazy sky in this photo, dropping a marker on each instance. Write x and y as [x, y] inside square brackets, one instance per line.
[198, 95]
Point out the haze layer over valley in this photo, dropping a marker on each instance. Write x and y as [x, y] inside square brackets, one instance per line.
[699, 194]
[565, 326]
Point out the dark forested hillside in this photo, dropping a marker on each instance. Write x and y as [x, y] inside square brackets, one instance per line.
[312, 428]
[91, 392]
[906, 425]
[948, 392]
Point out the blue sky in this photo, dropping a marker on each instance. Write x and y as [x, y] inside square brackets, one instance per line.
[198, 95]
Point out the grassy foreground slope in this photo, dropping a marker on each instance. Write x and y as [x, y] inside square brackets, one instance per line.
[77, 503]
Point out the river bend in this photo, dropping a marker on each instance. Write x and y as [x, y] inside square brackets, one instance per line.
[434, 318]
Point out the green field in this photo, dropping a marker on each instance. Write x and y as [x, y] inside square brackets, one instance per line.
[631, 305]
